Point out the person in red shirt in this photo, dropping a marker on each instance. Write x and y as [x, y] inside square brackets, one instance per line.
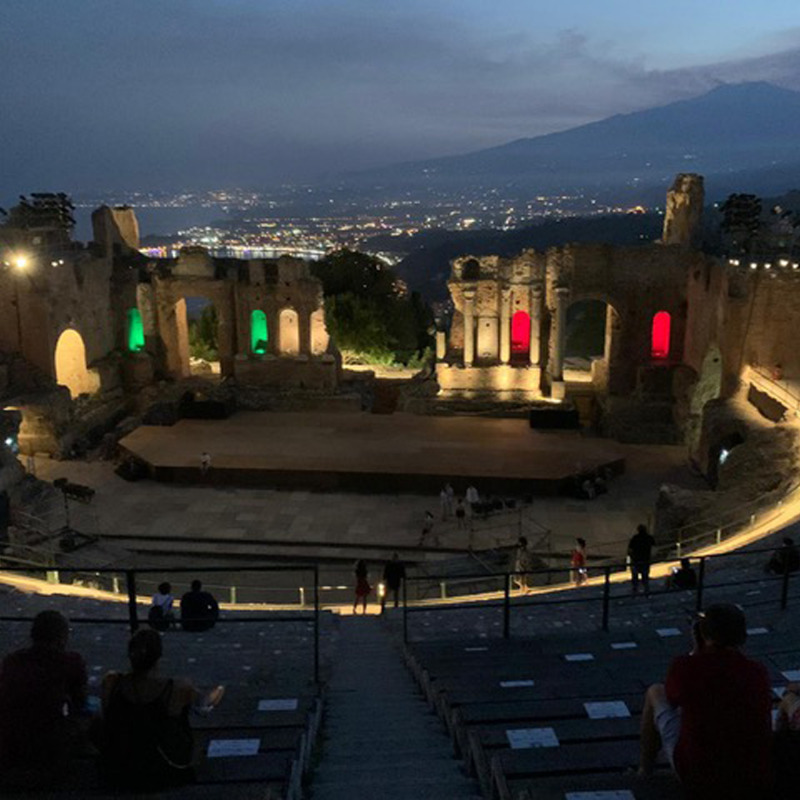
[713, 716]
[42, 690]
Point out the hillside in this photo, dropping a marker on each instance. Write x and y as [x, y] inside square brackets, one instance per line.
[735, 128]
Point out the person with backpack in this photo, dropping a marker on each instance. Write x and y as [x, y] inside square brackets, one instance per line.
[161, 615]
[147, 741]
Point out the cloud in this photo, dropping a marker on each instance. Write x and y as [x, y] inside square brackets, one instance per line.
[111, 93]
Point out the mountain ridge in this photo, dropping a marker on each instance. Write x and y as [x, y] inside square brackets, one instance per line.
[732, 127]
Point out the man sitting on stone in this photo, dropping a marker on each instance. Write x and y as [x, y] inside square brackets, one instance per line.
[199, 609]
[785, 559]
[683, 577]
[712, 718]
[42, 695]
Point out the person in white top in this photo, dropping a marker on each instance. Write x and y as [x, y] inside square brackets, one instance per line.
[160, 615]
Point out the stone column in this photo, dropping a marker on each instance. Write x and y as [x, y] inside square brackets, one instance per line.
[560, 333]
[441, 345]
[535, 345]
[505, 325]
[469, 327]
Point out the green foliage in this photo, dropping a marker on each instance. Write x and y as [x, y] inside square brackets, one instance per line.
[203, 335]
[366, 313]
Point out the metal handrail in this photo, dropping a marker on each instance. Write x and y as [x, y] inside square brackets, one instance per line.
[133, 599]
[605, 596]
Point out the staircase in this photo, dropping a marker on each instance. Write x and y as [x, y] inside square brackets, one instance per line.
[380, 738]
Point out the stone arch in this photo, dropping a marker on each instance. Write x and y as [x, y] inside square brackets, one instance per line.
[289, 332]
[259, 332]
[320, 338]
[592, 327]
[70, 364]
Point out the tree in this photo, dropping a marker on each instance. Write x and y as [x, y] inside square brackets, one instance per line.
[367, 311]
[741, 220]
[203, 335]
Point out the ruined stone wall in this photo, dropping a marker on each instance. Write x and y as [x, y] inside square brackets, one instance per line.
[637, 282]
[272, 287]
[115, 230]
[767, 321]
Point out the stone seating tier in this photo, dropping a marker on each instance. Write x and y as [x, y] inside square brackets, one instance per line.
[485, 688]
[255, 661]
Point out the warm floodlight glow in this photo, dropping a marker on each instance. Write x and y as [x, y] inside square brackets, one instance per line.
[20, 262]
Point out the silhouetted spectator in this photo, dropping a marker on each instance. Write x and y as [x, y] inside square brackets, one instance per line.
[205, 462]
[161, 615]
[684, 577]
[394, 573]
[587, 488]
[42, 694]
[600, 484]
[640, 550]
[199, 609]
[522, 563]
[787, 744]
[580, 573]
[427, 527]
[473, 500]
[362, 586]
[712, 718]
[147, 739]
[785, 559]
[461, 514]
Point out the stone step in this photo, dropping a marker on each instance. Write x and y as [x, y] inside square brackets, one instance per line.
[389, 771]
[388, 751]
[408, 790]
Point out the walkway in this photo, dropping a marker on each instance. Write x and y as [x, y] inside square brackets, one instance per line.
[380, 738]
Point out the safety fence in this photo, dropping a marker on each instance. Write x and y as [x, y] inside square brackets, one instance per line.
[601, 594]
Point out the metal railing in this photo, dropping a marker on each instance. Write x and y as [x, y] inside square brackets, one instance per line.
[604, 597]
[133, 621]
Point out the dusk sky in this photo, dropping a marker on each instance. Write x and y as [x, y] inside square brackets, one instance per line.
[105, 94]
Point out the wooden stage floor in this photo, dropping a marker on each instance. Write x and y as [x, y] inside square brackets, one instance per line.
[370, 452]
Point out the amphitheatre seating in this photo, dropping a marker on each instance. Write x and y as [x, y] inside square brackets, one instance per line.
[492, 692]
[255, 661]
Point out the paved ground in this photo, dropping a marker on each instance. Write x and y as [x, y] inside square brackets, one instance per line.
[149, 508]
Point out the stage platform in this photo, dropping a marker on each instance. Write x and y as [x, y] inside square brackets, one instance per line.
[371, 453]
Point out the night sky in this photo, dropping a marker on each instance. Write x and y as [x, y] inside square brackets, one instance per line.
[146, 94]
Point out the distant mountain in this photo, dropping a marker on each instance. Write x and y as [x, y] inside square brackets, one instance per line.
[746, 128]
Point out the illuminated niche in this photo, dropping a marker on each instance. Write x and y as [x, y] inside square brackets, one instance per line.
[259, 333]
